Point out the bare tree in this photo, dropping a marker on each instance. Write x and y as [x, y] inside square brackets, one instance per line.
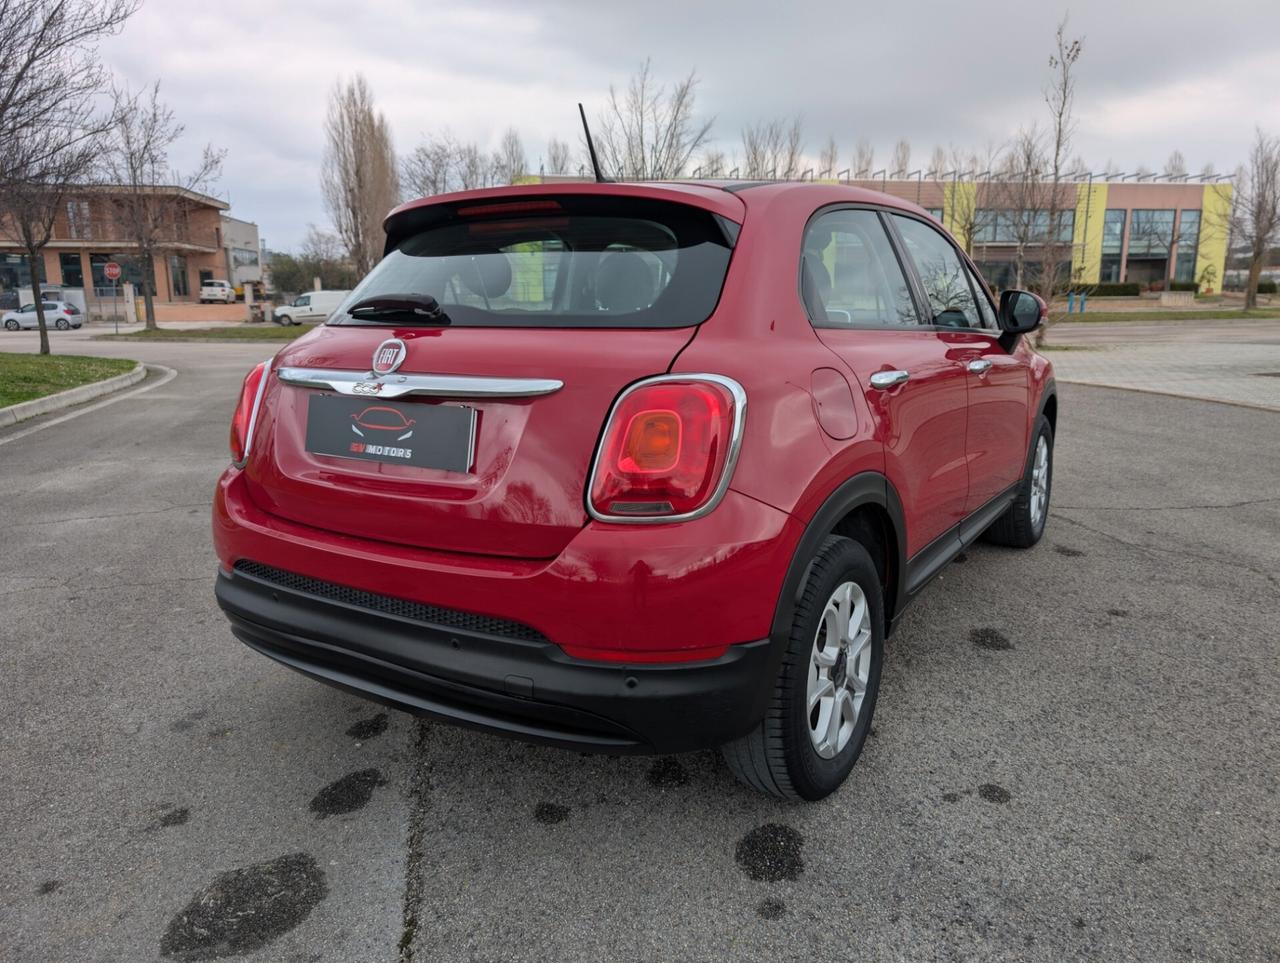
[1176, 165]
[358, 175]
[430, 168]
[509, 161]
[136, 161]
[712, 163]
[649, 132]
[557, 156]
[1019, 196]
[1255, 214]
[970, 211]
[1031, 189]
[864, 159]
[471, 168]
[901, 158]
[52, 135]
[1143, 172]
[829, 158]
[773, 149]
[937, 163]
[1207, 172]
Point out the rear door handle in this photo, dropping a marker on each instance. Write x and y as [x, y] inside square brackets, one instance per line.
[887, 379]
[979, 365]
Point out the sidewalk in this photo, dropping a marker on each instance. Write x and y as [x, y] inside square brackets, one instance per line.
[1236, 362]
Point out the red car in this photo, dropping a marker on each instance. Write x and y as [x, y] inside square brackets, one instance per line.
[682, 455]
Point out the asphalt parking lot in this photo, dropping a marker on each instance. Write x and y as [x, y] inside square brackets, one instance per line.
[1076, 751]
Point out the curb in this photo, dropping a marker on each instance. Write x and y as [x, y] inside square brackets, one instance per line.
[1250, 405]
[72, 396]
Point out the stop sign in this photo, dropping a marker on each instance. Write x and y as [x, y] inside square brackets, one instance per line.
[112, 271]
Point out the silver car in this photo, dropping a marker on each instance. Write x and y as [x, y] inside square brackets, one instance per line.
[58, 314]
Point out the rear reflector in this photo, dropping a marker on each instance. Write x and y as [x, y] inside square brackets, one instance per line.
[668, 449]
[246, 414]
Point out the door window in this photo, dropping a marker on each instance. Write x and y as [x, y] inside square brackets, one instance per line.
[302, 301]
[849, 274]
[943, 274]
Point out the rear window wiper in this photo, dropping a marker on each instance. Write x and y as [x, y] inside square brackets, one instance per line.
[422, 308]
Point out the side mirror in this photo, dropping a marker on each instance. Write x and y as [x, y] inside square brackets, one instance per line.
[1021, 311]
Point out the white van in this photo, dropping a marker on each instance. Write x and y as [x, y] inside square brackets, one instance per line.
[312, 306]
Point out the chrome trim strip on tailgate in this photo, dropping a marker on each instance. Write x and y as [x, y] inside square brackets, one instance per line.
[368, 385]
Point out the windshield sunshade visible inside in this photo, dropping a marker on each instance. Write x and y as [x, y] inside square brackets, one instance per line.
[578, 261]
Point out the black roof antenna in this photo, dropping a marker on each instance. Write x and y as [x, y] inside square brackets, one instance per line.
[591, 149]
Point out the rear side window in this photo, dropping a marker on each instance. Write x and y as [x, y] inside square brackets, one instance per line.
[582, 261]
[945, 280]
[849, 275]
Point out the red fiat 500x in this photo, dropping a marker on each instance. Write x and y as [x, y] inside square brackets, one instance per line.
[635, 468]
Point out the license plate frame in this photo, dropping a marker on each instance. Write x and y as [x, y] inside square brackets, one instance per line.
[381, 431]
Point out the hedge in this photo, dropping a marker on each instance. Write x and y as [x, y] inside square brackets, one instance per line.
[1112, 289]
[1184, 286]
[1266, 287]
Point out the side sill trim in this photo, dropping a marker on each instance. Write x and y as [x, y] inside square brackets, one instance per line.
[368, 384]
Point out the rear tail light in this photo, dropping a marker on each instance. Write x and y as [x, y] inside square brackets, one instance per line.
[246, 416]
[668, 449]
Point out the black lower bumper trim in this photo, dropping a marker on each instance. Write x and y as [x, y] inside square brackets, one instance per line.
[521, 688]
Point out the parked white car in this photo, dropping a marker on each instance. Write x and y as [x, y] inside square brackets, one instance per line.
[57, 314]
[217, 291]
[312, 306]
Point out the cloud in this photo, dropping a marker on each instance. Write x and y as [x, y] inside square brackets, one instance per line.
[253, 77]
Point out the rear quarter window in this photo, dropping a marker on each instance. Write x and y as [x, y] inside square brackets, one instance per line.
[581, 261]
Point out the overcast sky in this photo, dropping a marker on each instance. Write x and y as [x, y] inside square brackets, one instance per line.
[253, 77]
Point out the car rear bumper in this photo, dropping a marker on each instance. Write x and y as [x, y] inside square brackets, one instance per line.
[468, 674]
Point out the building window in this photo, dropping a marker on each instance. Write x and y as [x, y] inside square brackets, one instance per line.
[1112, 244]
[72, 270]
[1028, 227]
[178, 286]
[1150, 239]
[243, 257]
[79, 224]
[935, 213]
[1188, 242]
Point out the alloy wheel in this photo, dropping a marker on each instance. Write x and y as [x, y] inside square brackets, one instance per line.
[839, 667]
[1040, 481]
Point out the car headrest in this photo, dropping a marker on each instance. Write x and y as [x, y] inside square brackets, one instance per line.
[624, 283]
[486, 274]
[815, 286]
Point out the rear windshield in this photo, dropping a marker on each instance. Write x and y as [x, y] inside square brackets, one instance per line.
[566, 262]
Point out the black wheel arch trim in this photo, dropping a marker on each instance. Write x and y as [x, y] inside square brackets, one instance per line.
[865, 488]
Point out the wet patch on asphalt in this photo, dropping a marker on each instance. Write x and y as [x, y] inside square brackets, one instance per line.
[771, 909]
[187, 721]
[368, 728]
[667, 773]
[172, 816]
[48, 886]
[771, 853]
[1118, 613]
[550, 813]
[245, 909]
[988, 638]
[353, 791]
[993, 793]
[1069, 552]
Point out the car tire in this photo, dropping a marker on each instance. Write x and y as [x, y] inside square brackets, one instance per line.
[1023, 522]
[11, 325]
[782, 756]
[284, 320]
[62, 324]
